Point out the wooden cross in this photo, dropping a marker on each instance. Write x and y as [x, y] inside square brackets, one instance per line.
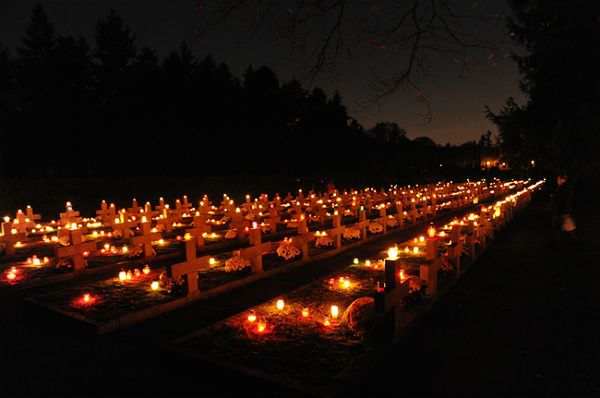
[182, 207]
[455, 248]
[204, 207]
[146, 239]
[304, 237]
[388, 299]
[199, 227]
[161, 205]
[412, 213]
[167, 219]
[75, 251]
[337, 230]
[429, 267]
[134, 209]
[255, 252]
[10, 236]
[33, 217]
[124, 225]
[189, 268]
[148, 212]
[321, 212]
[69, 216]
[470, 240]
[272, 222]
[298, 210]
[26, 220]
[20, 223]
[362, 224]
[238, 223]
[399, 214]
[107, 213]
[382, 218]
[485, 223]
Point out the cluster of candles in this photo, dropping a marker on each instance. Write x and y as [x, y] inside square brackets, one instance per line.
[261, 325]
[95, 234]
[343, 281]
[113, 250]
[52, 239]
[128, 275]
[36, 261]
[11, 274]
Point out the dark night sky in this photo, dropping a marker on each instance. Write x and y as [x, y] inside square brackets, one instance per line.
[457, 103]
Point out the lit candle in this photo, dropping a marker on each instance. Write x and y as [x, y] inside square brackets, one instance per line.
[305, 312]
[252, 316]
[154, 285]
[393, 253]
[335, 311]
[122, 275]
[431, 231]
[262, 325]
[146, 269]
[280, 304]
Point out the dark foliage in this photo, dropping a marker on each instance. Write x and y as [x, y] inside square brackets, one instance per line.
[559, 125]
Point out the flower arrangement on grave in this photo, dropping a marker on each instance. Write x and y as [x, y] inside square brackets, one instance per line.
[287, 250]
[170, 285]
[375, 227]
[351, 233]
[231, 234]
[119, 233]
[323, 240]
[236, 263]
[392, 222]
[249, 216]
[225, 220]
[64, 265]
[138, 251]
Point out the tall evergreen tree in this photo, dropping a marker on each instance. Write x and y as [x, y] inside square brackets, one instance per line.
[559, 125]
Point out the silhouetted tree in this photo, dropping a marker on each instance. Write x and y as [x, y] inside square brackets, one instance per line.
[182, 115]
[559, 125]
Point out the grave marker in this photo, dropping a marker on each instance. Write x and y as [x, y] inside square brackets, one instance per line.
[76, 249]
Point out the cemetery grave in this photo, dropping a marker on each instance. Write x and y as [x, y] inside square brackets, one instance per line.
[339, 325]
[202, 275]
